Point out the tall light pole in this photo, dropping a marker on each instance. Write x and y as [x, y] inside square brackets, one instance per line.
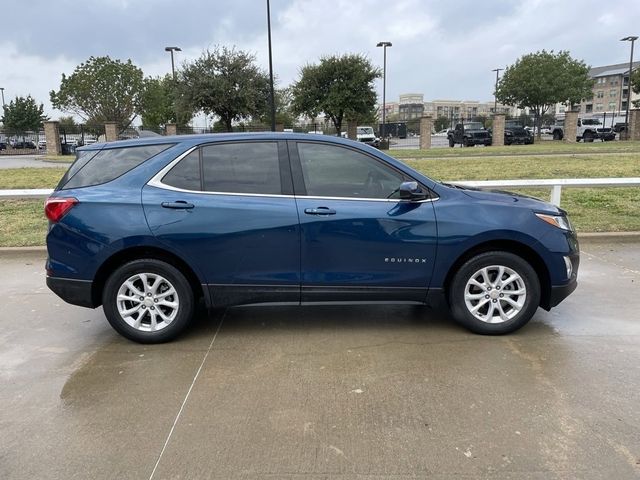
[273, 98]
[3, 104]
[173, 73]
[631, 39]
[384, 46]
[495, 92]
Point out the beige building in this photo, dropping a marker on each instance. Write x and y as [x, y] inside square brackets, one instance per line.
[610, 90]
[412, 106]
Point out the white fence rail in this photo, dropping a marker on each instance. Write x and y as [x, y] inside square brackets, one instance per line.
[556, 185]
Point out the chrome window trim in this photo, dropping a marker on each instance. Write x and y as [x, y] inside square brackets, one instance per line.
[156, 181]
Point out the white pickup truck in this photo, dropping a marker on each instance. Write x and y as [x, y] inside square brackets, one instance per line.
[368, 136]
[588, 130]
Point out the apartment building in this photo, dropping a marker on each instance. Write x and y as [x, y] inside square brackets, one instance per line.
[610, 89]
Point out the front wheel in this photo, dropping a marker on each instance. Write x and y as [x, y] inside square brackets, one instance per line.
[494, 293]
[557, 135]
[148, 301]
[451, 142]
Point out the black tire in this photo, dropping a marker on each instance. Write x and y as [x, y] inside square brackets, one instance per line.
[557, 135]
[451, 143]
[587, 137]
[174, 277]
[528, 276]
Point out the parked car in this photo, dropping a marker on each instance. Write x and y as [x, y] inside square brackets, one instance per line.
[3, 146]
[24, 144]
[146, 228]
[588, 130]
[516, 134]
[442, 133]
[368, 136]
[469, 135]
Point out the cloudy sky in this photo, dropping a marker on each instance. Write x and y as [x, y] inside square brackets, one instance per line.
[444, 49]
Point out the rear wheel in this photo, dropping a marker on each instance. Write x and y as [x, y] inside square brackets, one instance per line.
[587, 137]
[557, 135]
[148, 301]
[451, 142]
[494, 293]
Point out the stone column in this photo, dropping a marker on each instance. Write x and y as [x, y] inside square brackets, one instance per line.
[52, 137]
[171, 129]
[634, 124]
[279, 127]
[426, 125]
[497, 133]
[111, 131]
[352, 130]
[570, 127]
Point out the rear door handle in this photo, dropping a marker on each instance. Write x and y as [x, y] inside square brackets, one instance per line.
[320, 211]
[178, 205]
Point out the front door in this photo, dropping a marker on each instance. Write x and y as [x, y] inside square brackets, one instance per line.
[358, 240]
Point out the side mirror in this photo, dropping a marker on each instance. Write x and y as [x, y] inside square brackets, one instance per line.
[411, 191]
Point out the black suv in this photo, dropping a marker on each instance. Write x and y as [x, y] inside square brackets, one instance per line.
[469, 135]
[515, 133]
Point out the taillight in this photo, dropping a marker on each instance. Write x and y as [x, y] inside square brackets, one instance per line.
[56, 208]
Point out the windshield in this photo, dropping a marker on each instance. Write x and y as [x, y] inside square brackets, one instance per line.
[365, 130]
[473, 126]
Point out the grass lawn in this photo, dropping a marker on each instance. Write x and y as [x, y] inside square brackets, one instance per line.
[22, 222]
[11, 178]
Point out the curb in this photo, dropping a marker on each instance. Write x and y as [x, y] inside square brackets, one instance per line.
[621, 237]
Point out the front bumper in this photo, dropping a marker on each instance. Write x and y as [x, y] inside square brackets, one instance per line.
[75, 292]
[560, 292]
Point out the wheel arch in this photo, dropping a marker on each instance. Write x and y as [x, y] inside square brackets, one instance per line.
[511, 246]
[138, 252]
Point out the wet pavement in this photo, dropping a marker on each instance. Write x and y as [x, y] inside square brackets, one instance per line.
[325, 392]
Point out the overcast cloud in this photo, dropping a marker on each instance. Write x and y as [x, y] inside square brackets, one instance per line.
[444, 49]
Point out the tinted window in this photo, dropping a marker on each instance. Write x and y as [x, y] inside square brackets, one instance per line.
[109, 164]
[81, 160]
[186, 173]
[251, 167]
[331, 171]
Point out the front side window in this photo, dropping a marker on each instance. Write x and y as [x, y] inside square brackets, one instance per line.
[332, 171]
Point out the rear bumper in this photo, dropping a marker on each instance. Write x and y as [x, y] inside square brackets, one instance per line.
[75, 292]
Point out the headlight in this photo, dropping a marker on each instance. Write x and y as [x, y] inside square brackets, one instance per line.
[559, 221]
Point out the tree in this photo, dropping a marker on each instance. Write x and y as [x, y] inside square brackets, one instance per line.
[159, 103]
[67, 121]
[635, 85]
[441, 123]
[224, 82]
[538, 80]
[23, 114]
[101, 90]
[339, 86]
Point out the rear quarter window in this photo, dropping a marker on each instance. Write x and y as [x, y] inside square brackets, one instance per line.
[94, 168]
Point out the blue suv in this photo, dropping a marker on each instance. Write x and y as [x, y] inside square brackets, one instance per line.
[148, 228]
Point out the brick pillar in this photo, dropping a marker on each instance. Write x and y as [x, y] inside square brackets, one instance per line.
[352, 130]
[634, 124]
[171, 129]
[279, 127]
[52, 137]
[497, 133]
[426, 125]
[570, 127]
[111, 131]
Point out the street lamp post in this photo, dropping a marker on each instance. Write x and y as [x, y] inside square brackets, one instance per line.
[3, 104]
[173, 73]
[384, 46]
[273, 98]
[631, 39]
[495, 92]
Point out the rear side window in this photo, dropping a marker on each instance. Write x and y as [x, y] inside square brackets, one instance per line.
[107, 165]
[251, 167]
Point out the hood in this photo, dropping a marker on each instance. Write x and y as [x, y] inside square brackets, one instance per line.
[515, 199]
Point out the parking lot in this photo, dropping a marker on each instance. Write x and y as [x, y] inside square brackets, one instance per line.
[325, 392]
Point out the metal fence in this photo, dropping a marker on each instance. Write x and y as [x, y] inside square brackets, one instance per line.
[21, 143]
[73, 136]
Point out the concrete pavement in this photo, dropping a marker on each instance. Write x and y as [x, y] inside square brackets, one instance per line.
[325, 392]
[30, 161]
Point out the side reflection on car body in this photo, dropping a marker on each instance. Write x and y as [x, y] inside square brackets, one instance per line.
[146, 228]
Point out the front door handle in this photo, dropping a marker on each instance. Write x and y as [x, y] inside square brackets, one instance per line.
[178, 205]
[320, 211]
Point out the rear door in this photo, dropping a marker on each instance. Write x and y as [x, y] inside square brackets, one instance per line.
[359, 241]
[228, 208]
